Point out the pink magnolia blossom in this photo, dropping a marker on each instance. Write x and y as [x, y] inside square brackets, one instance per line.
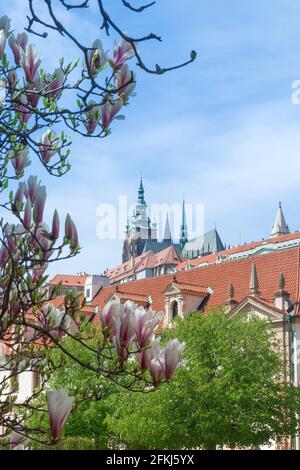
[122, 52]
[41, 242]
[164, 362]
[55, 225]
[108, 318]
[4, 255]
[97, 57]
[109, 111]
[22, 106]
[12, 80]
[18, 199]
[145, 323]
[17, 441]
[149, 353]
[124, 330]
[48, 146]
[69, 227]
[2, 41]
[71, 232]
[27, 214]
[39, 205]
[172, 357]
[32, 185]
[55, 83]
[35, 90]
[20, 160]
[30, 62]
[5, 24]
[59, 407]
[125, 82]
[157, 370]
[17, 45]
[93, 115]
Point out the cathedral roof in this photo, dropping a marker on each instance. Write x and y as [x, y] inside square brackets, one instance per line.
[210, 242]
[156, 247]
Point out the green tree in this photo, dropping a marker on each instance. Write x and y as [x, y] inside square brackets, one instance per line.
[232, 391]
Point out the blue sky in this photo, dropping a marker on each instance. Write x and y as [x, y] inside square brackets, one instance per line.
[223, 131]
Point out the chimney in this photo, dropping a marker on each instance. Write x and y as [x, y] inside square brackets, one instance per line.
[282, 298]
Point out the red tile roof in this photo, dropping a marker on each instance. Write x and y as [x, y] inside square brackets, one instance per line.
[69, 280]
[218, 276]
[148, 260]
[212, 258]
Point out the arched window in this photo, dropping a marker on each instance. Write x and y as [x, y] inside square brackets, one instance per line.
[174, 309]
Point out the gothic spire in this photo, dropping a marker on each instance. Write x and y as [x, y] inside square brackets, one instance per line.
[141, 192]
[183, 227]
[254, 284]
[280, 226]
[167, 233]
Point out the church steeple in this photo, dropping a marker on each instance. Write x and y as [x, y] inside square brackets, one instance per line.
[280, 226]
[167, 233]
[141, 192]
[183, 227]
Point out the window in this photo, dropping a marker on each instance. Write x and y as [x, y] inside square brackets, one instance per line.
[88, 293]
[174, 309]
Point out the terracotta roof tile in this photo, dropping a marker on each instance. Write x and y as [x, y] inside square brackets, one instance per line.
[218, 276]
[69, 280]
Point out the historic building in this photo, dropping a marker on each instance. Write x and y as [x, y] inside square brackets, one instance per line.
[261, 278]
[141, 235]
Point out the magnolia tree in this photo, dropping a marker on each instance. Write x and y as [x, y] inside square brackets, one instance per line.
[39, 112]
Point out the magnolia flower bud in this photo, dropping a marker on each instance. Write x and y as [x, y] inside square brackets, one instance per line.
[68, 227]
[18, 200]
[55, 226]
[21, 105]
[27, 214]
[55, 83]
[39, 205]
[4, 255]
[59, 407]
[30, 62]
[5, 24]
[20, 161]
[48, 145]
[32, 184]
[36, 88]
[123, 52]
[2, 41]
[12, 80]
[93, 115]
[109, 111]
